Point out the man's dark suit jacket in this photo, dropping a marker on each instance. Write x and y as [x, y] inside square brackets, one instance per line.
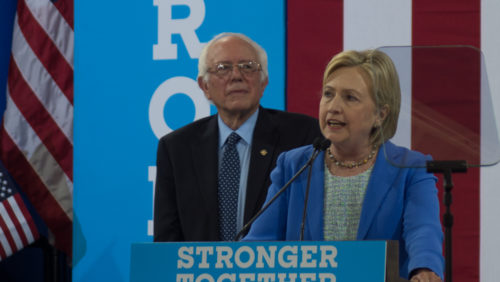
[186, 204]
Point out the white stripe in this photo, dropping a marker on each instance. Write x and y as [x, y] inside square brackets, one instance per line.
[40, 81]
[11, 227]
[54, 25]
[16, 126]
[375, 24]
[490, 176]
[402, 58]
[372, 24]
[22, 220]
[5, 244]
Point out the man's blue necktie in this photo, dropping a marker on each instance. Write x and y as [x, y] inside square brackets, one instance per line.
[229, 183]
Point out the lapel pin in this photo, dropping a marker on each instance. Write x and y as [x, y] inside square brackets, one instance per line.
[263, 152]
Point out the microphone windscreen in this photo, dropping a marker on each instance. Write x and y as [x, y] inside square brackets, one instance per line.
[324, 144]
[317, 143]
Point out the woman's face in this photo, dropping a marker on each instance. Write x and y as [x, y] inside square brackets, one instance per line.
[347, 111]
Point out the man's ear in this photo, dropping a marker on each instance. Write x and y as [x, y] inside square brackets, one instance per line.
[263, 85]
[203, 86]
[264, 82]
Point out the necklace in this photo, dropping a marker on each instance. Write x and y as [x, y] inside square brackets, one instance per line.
[351, 164]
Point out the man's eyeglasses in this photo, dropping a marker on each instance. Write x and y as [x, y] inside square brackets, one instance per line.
[224, 69]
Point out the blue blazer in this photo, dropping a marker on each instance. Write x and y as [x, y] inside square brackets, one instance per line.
[400, 204]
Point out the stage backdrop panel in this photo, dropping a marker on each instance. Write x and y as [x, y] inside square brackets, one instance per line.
[135, 80]
[333, 26]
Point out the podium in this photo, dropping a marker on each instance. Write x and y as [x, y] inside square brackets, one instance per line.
[266, 261]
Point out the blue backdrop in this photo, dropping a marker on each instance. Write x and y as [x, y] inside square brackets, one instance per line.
[135, 79]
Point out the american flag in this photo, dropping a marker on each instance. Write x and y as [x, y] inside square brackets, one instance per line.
[36, 138]
[17, 228]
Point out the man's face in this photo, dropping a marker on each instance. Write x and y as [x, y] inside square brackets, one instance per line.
[235, 93]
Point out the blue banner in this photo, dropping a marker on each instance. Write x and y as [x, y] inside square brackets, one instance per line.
[260, 261]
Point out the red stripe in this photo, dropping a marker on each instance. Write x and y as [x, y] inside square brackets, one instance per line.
[46, 50]
[445, 23]
[40, 120]
[65, 7]
[16, 222]
[8, 234]
[314, 35]
[27, 216]
[38, 194]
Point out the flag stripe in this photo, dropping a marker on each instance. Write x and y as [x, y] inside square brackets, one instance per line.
[14, 227]
[57, 219]
[5, 238]
[386, 28]
[446, 23]
[46, 50]
[41, 122]
[490, 176]
[66, 10]
[5, 250]
[9, 243]
[314, 35]
[39, 159]
[373, 24]
[21, 214]
[49, 94]
[56, 27]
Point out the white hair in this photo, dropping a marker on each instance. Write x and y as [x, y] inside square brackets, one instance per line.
[261, 54]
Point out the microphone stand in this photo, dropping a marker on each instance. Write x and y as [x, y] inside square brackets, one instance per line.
[302, 225]
[321, 147]
[446, 168]
[317, 150]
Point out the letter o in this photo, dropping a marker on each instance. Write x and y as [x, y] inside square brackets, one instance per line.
[251, 257]
[174, 85]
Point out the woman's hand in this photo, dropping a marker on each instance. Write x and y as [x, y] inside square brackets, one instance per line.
[425, 275]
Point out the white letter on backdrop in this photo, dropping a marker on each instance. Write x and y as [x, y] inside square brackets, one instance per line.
[174, 85]
[165, 49]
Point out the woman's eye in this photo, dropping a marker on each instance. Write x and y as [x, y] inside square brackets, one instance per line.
[351, 97]
[327, 94]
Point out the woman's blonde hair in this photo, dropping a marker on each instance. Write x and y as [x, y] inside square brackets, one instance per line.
[385, 86]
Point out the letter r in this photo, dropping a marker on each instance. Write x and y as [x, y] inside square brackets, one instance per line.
[165, 49]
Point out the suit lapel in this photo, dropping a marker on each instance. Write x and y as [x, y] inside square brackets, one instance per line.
[314, 223]
[206, 162]
[265, 139]
[383, 176]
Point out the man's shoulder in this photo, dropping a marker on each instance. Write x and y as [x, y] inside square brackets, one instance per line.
[294, 129]
[282, 115]
[289, 121]
[190, 130]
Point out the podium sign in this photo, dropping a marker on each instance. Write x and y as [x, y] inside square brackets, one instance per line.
[265, 261]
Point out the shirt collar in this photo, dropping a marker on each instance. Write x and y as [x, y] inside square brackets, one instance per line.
[245, 131]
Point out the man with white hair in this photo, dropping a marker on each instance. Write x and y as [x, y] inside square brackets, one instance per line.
[213, 174]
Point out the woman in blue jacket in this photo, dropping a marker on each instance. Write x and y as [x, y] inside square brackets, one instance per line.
[363, 187]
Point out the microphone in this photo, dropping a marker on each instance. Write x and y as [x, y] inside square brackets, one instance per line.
[319, 144]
